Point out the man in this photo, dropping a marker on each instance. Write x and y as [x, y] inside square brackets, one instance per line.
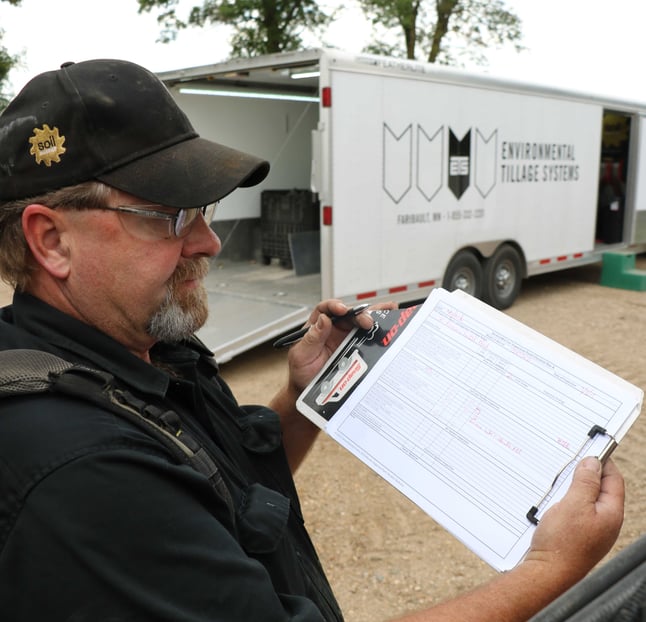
[105, 238]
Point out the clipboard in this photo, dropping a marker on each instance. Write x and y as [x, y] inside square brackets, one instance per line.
[475, 417]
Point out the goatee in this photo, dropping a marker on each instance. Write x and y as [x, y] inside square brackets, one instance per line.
[182, 313]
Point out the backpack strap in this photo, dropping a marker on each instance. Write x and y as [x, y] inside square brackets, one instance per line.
[33, 371]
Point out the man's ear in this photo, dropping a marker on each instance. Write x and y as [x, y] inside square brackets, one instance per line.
[43, 228]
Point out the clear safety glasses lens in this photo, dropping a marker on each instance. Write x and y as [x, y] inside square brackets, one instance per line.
[151, 224]
[186, 217]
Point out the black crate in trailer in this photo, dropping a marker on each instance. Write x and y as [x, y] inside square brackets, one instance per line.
[285, 212]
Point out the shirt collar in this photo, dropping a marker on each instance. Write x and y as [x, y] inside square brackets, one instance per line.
[30, 322]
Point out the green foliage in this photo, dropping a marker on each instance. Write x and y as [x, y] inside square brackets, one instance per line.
[259, 26]
[445, 31]
[7, 62]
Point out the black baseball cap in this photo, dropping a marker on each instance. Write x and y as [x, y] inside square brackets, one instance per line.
[116, 122]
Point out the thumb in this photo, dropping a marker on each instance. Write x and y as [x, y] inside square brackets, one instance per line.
[311, 346]
[307, 357]
[318, 332]
[586, 481]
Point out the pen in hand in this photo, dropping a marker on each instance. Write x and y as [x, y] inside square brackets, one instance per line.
[291, 338]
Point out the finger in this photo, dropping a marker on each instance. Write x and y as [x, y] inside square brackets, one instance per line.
[366, 320]
[331, 307]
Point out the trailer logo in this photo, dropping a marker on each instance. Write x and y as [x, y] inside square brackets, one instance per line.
[397, 162]
[459, 163]
[469, 160]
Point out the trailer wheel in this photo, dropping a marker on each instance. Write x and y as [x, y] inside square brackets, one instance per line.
[502, 277]
[465, 273]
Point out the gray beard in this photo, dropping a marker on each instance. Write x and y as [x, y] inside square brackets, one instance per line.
[178, 317]
[171, 323]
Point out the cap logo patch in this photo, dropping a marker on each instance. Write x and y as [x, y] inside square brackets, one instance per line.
[47, 145]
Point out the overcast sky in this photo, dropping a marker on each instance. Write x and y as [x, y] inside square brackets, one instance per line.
[588, 45]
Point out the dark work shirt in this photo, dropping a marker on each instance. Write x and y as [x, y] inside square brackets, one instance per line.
[99, 522]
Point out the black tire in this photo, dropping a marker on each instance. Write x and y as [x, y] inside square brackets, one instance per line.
[465, 273]
[502, 277]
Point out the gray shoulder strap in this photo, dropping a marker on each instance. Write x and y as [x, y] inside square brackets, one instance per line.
[28, 371]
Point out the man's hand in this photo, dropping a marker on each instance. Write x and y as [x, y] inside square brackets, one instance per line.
[310, 354]
[306, 358]
[581, 528]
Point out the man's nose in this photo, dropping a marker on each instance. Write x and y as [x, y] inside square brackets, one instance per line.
[201, 240]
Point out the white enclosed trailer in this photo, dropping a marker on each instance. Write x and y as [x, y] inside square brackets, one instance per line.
[392, 177]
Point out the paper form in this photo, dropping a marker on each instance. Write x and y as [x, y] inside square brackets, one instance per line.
[472, 415]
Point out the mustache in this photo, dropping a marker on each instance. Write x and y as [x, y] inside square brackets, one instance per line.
[189, 270]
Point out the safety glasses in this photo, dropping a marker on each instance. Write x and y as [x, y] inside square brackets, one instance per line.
[155, 222]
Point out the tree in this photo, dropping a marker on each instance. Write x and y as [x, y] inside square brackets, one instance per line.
[7, 62]
[259, 26]
[444, 29]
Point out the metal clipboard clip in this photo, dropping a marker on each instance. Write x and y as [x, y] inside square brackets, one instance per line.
[569, 465]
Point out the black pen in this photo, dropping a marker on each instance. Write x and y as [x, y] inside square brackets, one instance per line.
[291, 338]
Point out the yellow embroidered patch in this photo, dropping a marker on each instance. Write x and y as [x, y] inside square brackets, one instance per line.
[47, 145]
